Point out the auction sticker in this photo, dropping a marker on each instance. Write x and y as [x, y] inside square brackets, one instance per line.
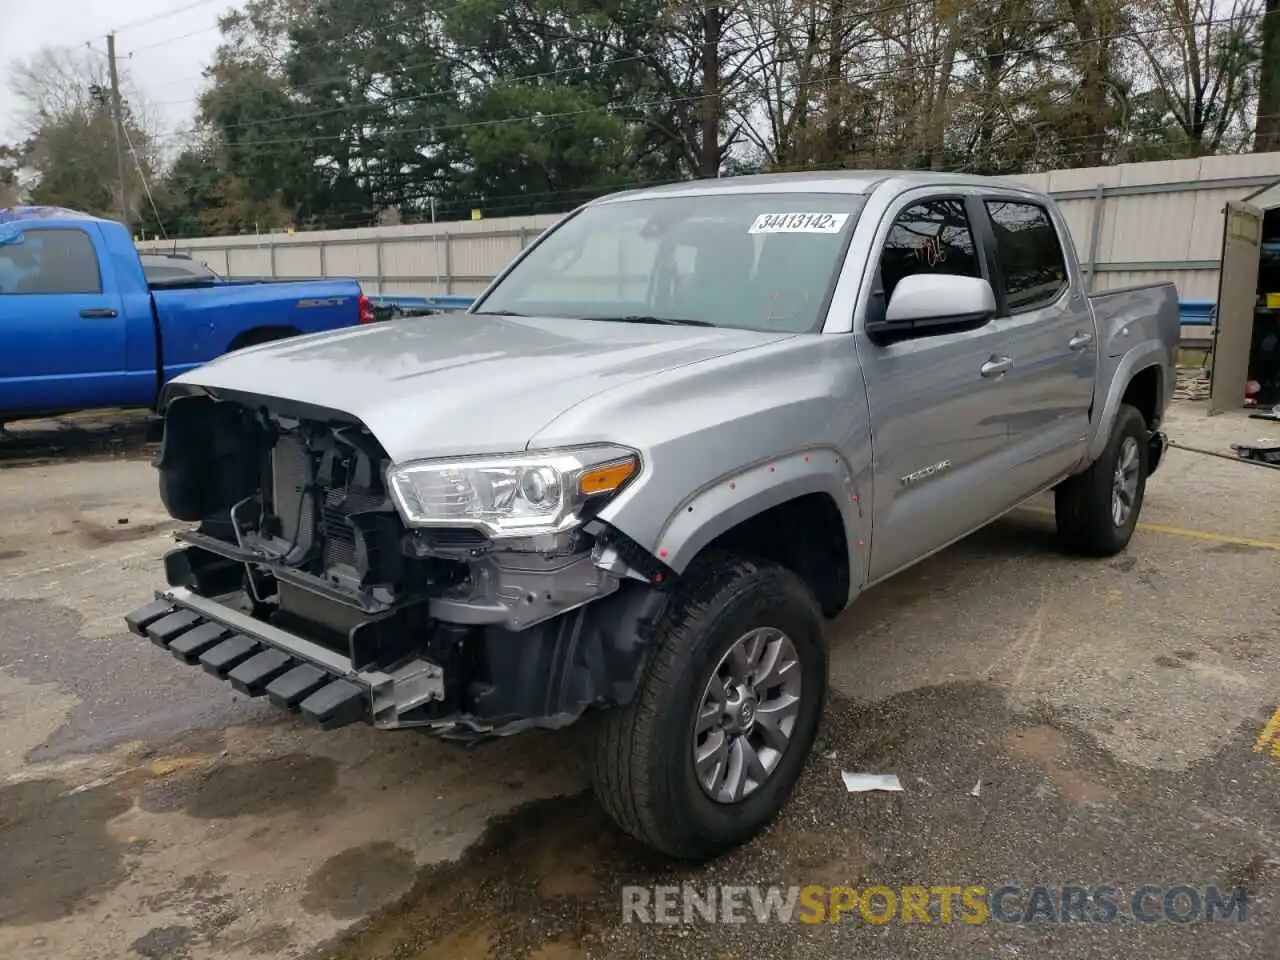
[799, 223]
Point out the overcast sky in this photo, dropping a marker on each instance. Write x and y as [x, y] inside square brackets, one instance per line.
[168, 43]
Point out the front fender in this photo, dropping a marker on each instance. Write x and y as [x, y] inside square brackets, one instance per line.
[722, 440]
[752, 490]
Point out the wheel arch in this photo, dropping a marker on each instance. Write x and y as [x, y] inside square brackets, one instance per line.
[1139, 375]
[263, 334]
[803, 511]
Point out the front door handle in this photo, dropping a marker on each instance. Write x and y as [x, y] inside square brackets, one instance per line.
[99, 313]
[997, 367]
[1080, 341]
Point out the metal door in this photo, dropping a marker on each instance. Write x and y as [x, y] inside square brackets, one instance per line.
[1237, 299]
[935, 402]
[1050, 336]
[62, 333]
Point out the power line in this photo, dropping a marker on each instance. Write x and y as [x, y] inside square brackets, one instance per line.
[169, 40]
[757, 38]
[669, 101]
[439, 13]
[429, 95]
[496, 204]
[165, 15]
[146, 186]
[155, 18]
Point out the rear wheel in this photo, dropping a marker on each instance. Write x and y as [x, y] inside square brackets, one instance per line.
[710, 749]
[1098, 510]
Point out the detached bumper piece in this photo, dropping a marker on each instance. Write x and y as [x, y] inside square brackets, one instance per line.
[258, 659]
[1157, 446]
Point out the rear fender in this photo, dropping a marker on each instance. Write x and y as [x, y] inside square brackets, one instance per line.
[1149, 354]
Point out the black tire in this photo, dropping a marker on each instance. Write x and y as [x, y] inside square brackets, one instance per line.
[644, 773]
[1083, 503]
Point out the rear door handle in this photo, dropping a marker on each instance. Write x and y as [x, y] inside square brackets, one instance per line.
[1080, 341]
[99, 313]
[996, 367]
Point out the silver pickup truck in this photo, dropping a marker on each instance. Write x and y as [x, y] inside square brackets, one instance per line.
[679, 430]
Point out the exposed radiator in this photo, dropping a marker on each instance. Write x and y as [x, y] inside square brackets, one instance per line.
[291, 472]
[339, 535]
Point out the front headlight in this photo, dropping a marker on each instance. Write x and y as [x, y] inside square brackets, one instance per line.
[517, 495]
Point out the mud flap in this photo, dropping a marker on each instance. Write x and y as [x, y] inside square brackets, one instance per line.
[1157, 445]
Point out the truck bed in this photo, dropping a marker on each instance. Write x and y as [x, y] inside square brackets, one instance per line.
[198, 323]
[1130, 315]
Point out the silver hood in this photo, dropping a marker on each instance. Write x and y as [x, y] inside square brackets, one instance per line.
[457, 384]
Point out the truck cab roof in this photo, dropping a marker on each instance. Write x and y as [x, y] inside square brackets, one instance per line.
[860, 182]
[19, 214]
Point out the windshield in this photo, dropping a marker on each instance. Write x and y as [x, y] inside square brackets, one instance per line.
[750, 261]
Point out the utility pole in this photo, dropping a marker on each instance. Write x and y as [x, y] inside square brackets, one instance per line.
[117, 127]
[712, 24]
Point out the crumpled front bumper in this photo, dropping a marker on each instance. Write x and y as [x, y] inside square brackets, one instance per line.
[259, 659]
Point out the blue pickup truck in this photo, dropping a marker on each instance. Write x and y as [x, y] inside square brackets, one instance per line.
[87, 323]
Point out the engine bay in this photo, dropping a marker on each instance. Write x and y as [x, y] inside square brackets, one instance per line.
[295, 530]
[298, 501]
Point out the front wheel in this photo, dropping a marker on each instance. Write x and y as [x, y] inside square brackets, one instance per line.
[1097, 510]
[709, 750]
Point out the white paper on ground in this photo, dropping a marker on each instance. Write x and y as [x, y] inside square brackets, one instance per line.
[977, 790]
[866, 782]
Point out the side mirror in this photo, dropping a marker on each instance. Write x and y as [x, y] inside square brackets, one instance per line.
[10, 234]
[929, 304]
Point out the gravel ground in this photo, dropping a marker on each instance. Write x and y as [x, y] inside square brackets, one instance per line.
[1108, 710]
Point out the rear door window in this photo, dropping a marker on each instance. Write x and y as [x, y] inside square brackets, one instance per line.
[50, 260]
[1030, 254]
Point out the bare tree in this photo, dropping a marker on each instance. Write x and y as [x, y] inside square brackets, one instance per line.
[1266, 134]
[1202, 58]
[69, 130]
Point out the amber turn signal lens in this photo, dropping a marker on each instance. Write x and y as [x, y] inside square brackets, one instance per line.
[607, 478]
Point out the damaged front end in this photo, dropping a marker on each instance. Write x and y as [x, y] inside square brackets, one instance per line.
[470, 597]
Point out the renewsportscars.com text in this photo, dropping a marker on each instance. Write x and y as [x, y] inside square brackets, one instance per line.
[1009, 903]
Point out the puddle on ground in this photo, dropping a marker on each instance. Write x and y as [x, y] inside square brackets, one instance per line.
[224, 791]
[359, 880]
[56, 850]
[545, 882]
[535, 877]
[100, 535]
[165, 943]
[1050, 749]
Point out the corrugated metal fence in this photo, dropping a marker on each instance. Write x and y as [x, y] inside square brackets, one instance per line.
[1132, 223]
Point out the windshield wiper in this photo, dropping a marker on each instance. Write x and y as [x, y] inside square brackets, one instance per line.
[641, 318]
